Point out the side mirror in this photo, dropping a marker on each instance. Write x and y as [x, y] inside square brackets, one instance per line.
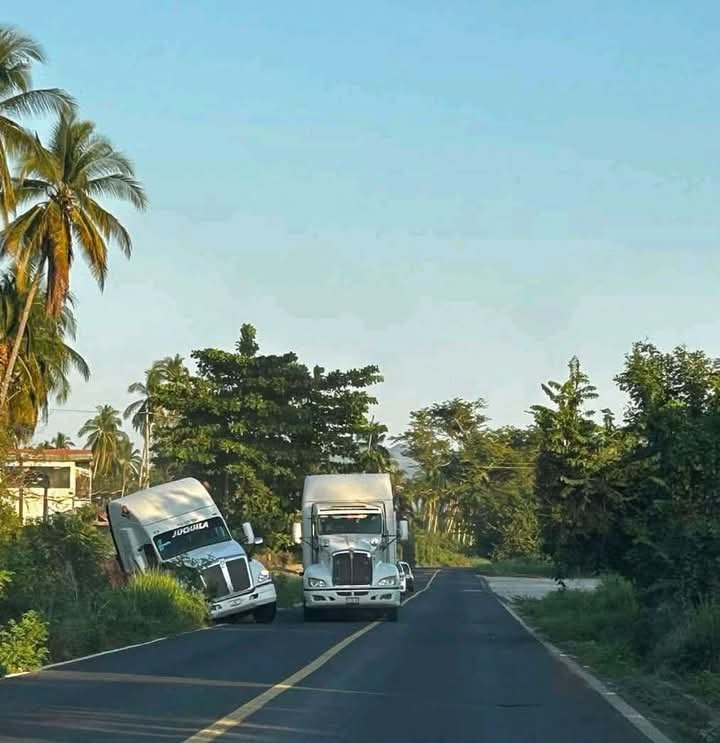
[258, 541]
[248, 533]
[403, 531]
[297, 533]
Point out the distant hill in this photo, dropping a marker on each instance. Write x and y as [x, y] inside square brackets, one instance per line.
[409, 466]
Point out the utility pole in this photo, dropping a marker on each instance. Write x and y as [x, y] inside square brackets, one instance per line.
[45, 482]
[21, 489]
[145, 465]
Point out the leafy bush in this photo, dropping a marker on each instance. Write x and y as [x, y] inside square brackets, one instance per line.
[437, 550]
[694, 643]
[55, 565]
[59, 577]
[23, 644]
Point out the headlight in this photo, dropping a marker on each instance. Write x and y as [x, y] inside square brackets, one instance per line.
[264, 576]
[391, 580]
[316, 583]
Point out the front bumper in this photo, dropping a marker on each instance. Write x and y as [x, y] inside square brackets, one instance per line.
[244, 602]
[351, 598]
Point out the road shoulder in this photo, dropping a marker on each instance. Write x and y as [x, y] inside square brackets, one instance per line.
[632, 715]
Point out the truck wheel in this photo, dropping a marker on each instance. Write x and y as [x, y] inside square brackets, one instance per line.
[392, 614]
[309, 615]
[265, 614]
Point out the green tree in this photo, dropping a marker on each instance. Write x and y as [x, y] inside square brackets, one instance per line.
[105, 437]
[673, 516]
[438, 439]
[499, 492]
[144, 413]
[373, 455]
[579, 484]
[254, 425]
[18, 54]
[62, 441]
[127, 463]
[60, 186]
[45, 359]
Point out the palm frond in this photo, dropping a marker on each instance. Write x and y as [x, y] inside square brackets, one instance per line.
[119, 186]
[78, 363]
[37, 102]
[109, 225]
[16, 48]
[92, 243]
[134, 408]
[8, 198]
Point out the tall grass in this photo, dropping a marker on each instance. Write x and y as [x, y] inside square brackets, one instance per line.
[148, 606]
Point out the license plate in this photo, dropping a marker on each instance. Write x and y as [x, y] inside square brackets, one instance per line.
[352, 600]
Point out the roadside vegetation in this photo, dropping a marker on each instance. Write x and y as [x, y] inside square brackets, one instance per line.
[665, 664]
[57, 601]
[521, 567]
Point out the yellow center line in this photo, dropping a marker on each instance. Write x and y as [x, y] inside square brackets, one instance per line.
[238, 716]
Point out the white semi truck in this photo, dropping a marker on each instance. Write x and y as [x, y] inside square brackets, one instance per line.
[178, 523]
[349, 535]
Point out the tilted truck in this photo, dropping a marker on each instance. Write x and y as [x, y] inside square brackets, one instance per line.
[178, 524]
[349, 535]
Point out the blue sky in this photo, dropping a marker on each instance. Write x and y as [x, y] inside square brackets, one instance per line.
[465, 193]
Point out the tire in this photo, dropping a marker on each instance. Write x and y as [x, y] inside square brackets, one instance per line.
[411, 587]
[309, 615]
[392, 614]
[265, 614]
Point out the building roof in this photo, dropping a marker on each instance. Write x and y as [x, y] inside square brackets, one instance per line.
[54, 455]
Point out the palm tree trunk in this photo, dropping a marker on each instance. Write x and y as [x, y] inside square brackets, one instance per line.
[5, 388]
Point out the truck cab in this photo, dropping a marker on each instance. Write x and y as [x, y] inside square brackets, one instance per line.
[178, 524]
[349, 534]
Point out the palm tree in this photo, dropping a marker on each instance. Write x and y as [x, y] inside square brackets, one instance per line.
[45, 360]
[127, 462]
[18, 54]
[144, 413]
[60, 184]
[61, 441]
[373, 455]
[104, 437]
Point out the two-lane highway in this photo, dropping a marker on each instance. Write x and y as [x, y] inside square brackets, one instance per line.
[456, 667]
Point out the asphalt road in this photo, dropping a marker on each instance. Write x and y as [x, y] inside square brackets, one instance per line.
[456, 668]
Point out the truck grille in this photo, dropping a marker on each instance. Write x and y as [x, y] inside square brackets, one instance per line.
[239, 574]
[215, 582]
[352, 569]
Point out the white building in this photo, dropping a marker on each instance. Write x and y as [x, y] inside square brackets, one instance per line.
[47, 481]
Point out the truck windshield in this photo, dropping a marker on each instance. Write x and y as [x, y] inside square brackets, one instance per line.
[351, 523]
[190, 537]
